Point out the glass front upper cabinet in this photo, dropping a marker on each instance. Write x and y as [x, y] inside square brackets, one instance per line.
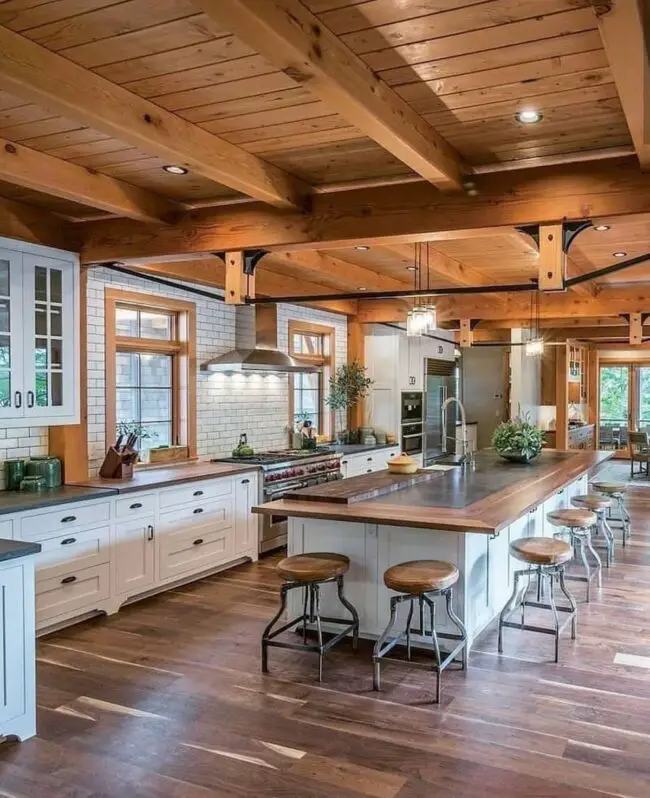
[38, 337]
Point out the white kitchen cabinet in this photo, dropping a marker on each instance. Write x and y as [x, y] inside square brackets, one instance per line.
[411, 364]
[246, 522]
[17, 649]
[134, 555]
[39, 335]
[353, 465]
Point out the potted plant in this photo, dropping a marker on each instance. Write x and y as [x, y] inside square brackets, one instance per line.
[348, 386]
[518, 440]
[126, 428]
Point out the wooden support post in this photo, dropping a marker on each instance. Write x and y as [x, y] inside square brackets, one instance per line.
[593, 391]
[356, 351]
[552, 258]
[636, 329]
[235, 278]
[70, 442]
[561, 398]
[466, 334]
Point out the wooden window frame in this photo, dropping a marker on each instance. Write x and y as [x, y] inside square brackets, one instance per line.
[184, 360]
[327, 360]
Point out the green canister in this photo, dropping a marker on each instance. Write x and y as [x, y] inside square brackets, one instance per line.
[14, 473]
[33, 484]
[47, 467]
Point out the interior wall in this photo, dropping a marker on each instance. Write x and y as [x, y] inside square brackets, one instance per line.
[483, 384]
[525, 379]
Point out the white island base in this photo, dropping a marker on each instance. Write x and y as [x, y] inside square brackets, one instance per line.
[483, 561]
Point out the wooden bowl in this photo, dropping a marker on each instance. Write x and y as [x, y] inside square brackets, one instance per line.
[402, 464]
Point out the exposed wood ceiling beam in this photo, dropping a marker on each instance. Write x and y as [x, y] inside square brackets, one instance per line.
[36, 170]
[441, 265]
[317, 265]
[289, 36]
[383, 215]
[212, 272]
[36, 226]
[561, 334]
[625, 31]
[41, 76]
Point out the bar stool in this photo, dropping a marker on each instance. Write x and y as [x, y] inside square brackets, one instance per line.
[308, 572]
[545, 557]
[579, 524]
[421, 581]
[616, 491]
[599, 505]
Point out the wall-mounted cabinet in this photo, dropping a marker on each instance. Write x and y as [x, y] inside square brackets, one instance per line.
[39, 335]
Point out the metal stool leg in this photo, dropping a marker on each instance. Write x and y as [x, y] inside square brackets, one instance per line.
[267, 631]
[409, 621]
[377, 650]
[585, 562]
[351, 609]
[572, 603]
[596, 556]
[556, 619]
[315, 590]
[436, 645]
[509, 607]
[449, 597]
[609, 537]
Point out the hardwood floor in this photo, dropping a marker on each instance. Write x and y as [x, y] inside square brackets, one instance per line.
[166, 700]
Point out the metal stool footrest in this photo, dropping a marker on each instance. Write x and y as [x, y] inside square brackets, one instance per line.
[518, 601]
[581, 541]
[311, 614]
[385, 643]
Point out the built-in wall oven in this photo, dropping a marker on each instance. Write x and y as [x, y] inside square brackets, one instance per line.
[412, 422]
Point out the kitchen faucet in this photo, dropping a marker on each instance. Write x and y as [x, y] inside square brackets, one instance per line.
[467, 457]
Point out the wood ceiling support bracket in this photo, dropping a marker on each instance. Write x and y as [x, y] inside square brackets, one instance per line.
[553, 242]
[251, 257]
[466, 335]
[636, 329]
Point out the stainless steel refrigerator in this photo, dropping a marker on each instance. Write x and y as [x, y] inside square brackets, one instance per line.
[441, 382]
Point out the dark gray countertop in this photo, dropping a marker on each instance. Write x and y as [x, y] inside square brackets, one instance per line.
[358, 448]
[17, 501]
[12, 549]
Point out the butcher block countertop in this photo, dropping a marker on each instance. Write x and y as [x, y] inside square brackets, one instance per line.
[361, 488]
[150, 478]
[484, 499]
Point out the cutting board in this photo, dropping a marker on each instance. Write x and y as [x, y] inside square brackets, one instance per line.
[361, 488]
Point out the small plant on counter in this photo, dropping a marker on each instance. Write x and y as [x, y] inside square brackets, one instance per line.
[518, 440]
[348, 386]
[126, 428]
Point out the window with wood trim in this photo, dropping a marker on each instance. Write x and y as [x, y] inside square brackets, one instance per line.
[151, 373]
[311, 344]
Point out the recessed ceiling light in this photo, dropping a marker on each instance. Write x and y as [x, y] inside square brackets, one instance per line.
[361, 288]
[172, 169]
[600, 228]
[411, 268]
[362, 248]
[619, 254]
[528, 116]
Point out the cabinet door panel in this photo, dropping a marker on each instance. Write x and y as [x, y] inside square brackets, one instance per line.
[12, 397]
[134, 555]
[49, 323]
[12, 653]
[246, 522]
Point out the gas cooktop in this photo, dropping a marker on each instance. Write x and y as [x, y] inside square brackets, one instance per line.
[276, 456]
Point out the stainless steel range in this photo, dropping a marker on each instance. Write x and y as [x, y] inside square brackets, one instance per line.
[285, 471]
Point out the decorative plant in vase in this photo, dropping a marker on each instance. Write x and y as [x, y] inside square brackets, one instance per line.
[518, 440]
[348, 386]
[124, 429]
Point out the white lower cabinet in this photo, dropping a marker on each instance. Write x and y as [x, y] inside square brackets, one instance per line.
[354, 465]
[134, 555]
[97, 554]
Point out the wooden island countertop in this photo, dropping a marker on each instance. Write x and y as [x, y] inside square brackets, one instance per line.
[483, 499]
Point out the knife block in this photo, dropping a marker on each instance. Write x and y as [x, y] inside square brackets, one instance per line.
[118, 465]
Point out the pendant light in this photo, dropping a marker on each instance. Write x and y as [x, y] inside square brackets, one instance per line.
[422, 317]
[534, 346]
[430, 309]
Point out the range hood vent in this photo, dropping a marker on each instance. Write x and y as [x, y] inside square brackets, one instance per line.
[263, 355]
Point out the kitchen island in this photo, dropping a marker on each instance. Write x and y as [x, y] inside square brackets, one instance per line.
[467, 516]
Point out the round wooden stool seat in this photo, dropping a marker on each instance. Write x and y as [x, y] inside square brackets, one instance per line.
[573, 519]
[592, 501]
[421, 576]
[541, 551]
[610, 488]
[313, 567]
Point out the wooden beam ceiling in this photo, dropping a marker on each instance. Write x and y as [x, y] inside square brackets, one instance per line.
[41, 172]
[442, 265]
[289, 36]
[52, 81]
[625, 30]
[36, 226]
[380, 216]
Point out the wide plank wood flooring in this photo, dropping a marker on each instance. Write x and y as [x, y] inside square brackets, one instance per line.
[166, 700]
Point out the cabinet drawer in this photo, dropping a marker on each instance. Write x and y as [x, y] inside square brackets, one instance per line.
[82, 592]
[7, 529]
[85, 548]
[194, 550]
[218, 514]
[135, 504]
[194, 492]
[57, 522]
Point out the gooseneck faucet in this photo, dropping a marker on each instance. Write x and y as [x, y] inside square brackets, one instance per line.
[467, 457]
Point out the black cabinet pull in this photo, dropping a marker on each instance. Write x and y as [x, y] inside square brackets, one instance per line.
[135, 506]
[198, 542]
[198, 510]
[18, 399]
[68, 580]
[149, 532]
[30, 398]
[68, 518]
[370, 459]
[245, 481]
[67, 541]
[198, 493]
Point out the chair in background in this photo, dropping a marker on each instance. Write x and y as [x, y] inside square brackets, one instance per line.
[606, 438]
[639, 452]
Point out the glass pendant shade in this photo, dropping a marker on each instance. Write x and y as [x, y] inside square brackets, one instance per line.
[416, 322]
[431, 318]
[534, 347]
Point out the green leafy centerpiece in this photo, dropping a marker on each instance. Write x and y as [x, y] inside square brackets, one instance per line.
[348, 385]
[518, 440]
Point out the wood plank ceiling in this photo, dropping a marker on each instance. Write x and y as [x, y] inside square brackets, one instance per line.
[463, 67]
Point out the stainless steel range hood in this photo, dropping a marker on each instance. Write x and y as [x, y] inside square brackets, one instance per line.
[261, 354]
